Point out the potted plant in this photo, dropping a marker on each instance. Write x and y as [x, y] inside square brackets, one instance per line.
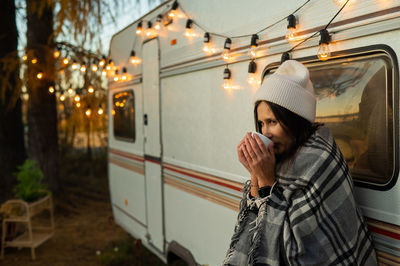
[30, 187]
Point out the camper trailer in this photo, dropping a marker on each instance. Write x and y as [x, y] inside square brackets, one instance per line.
[178, 109]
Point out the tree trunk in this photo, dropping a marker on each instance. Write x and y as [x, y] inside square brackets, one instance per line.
[42, 112]
[12, 148]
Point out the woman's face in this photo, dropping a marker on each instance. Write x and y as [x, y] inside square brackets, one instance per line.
[272, 129]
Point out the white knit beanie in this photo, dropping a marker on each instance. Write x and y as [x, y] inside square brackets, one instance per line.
[290, 87]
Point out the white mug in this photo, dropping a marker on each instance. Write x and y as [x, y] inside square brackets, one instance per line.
[264, 139]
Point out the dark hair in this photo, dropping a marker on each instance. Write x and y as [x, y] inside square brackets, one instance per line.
[297, 127]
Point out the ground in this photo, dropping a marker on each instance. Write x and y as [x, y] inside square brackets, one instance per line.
[86, 233]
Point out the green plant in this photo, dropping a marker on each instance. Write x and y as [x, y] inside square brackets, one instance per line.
[30, 186]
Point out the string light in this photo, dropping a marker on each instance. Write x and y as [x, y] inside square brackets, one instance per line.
[70, 90]
[207, 45]
[39, 75]
[157, 26]
[77, 98]
[62, 97]
[227, 48]
[252, 79]
[83, 67]
[149, 31]
[90, 89]
[65, 61]
[116, 76]
[88, 111]
[102, 61]
[139, 28]
[78, 104]
[34, 61]
[124, 76]
[100, 111]
[324, 52]
[253, 46]
[57, 53]
[291, 32]
[74, 65]
[189, 29]
[104, 72]
[227, 84]
[94, 67]
[173, 12]
[51, 89]
[25, 57]
[110, 65]
[133, 58]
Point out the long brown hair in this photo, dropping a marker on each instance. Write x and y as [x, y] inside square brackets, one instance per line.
[297, 127]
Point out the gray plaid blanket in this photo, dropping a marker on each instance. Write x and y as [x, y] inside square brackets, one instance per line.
[310, 217]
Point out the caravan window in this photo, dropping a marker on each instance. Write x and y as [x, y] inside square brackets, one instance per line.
[124, 115]
[354, 99]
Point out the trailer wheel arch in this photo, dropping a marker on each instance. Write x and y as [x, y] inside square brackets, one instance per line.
[177, 250]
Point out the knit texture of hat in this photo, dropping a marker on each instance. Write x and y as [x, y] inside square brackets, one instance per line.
[290, 87]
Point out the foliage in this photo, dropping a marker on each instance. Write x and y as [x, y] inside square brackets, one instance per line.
[30, 186]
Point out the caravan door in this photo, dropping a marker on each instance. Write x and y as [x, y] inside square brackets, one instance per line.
[152, 143]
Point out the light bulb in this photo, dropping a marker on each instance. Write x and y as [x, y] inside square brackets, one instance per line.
[94, 68]
[104, 72]
[65, 61]
[51, 89]
[78, 104]
[149, 31]
[83, 67]
[39, 75]
[77, 98]
[70, 91]
[133, 58]
[252, 78]
[108, 67]
[74, 65]
[139, 28]
[323, 52]
[189, 29]
[227, 84]
[290, 34]
[102, 61]
[252, 53]
[57, 53]
[100, 111]
[34, 61]
[25, 57]
[88, 112]
[226, 55]
[173, 13]
[90, 89]
[157, 26]
[116, 76]
[62, 97]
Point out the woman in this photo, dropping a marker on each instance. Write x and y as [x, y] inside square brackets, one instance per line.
[298, 208]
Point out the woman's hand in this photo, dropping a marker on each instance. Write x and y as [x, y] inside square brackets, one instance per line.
[259, 159]
[243, 161]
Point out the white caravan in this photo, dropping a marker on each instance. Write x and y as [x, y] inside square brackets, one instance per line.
[174, 176]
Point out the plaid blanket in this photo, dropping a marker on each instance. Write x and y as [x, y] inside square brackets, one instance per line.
[310, 217]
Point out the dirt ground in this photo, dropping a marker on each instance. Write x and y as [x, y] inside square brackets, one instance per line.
[86, 233]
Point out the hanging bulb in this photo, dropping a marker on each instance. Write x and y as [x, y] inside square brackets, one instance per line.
[252, 78]
[227, 79]
[157, 26]
[74, 65]
[34, 61]
[110, 65]
[253, 46]
[70, 90]
[149, 31]
[94, 67]
[116, 76]
[57, 53]
[291, 32]
[83, 67]
[62, 97]
[134, 59]
[139, 28]
[65, 61]
[100, 111]
[174, 11]
[323, 52]
[51, 89]
[77, 98]
[88, 111]
[227, 48]
[39, 75]
[124, 76]
[90, 89]
[78, 104]
[102, 61]
[104, 72]
[189, 29]
[25, 57]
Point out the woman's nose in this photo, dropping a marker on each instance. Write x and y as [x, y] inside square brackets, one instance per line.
[266, 132]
